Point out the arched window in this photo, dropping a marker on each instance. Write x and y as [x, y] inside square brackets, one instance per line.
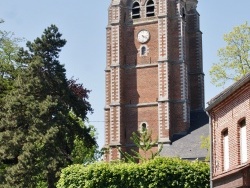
[143, 50]
[243, 141]
[136, 10]
[225, 150]
[150, 8]
[144, 127]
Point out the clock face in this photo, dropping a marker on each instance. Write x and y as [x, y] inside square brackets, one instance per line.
[143, 36]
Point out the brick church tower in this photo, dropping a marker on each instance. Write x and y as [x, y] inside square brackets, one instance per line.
[154, 73]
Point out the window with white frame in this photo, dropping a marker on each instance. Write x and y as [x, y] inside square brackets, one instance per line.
[243, 141]
[225, 150]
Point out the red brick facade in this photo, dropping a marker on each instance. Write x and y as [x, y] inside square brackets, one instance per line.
[227, 111]
[160, 86]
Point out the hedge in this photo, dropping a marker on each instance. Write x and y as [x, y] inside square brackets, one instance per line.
[157, 173]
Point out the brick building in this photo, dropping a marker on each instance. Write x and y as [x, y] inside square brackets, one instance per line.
[154, 76]
[230, 127]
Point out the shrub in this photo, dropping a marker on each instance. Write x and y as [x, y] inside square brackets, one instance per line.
[158, 173]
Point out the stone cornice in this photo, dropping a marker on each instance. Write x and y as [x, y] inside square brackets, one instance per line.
[140, 66]
[142, 22]
[228, 92]
[141, 105]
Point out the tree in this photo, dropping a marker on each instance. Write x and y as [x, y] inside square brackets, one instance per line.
[8, 67]
[234, 58]
[205, 144]
[37, 132]
[82, 154]
[144, 142]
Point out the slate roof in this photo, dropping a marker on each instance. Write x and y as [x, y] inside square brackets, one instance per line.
[188, 146]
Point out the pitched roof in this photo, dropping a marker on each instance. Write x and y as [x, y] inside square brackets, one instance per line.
[188, 146]
[227, 92]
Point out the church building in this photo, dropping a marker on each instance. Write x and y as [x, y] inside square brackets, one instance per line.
[154, 76]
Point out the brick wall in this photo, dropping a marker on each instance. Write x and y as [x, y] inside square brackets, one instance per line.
[227, 115]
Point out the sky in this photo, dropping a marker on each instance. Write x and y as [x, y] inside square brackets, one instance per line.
[83, 24]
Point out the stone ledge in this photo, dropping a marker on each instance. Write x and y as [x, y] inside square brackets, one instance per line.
[141, 105]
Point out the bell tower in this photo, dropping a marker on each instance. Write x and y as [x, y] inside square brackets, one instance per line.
[154, 73]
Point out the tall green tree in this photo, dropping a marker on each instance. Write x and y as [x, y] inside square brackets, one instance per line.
[234, 57]
[8, 50]
[37, 132]
[8, 67]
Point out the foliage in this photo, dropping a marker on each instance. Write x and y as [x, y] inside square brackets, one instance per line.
[82, 154]
[2, 171]
[159, 172]
[143, 141]
[37, 133]
[234, 58]
[8, 67]
[205, 144]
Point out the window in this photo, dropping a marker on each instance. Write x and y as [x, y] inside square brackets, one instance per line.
[124, 18]
[143, 50]
[225, 150]
[143, 127]
[150, 8]
[136, 10]
[183, 13]
[243, 141]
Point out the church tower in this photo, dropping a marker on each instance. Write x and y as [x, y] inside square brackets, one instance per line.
[154, 73]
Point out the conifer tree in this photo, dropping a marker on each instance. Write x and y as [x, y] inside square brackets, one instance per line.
[37, 132]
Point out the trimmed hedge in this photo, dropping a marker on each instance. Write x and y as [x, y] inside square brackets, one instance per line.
[157, 173]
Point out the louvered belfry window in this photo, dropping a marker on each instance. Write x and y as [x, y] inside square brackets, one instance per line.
[150, 8]
[136, 10]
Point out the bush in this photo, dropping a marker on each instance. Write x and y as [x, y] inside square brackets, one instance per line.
[157, 173]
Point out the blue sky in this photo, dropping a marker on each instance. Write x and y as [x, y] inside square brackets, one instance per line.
[83, 24]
